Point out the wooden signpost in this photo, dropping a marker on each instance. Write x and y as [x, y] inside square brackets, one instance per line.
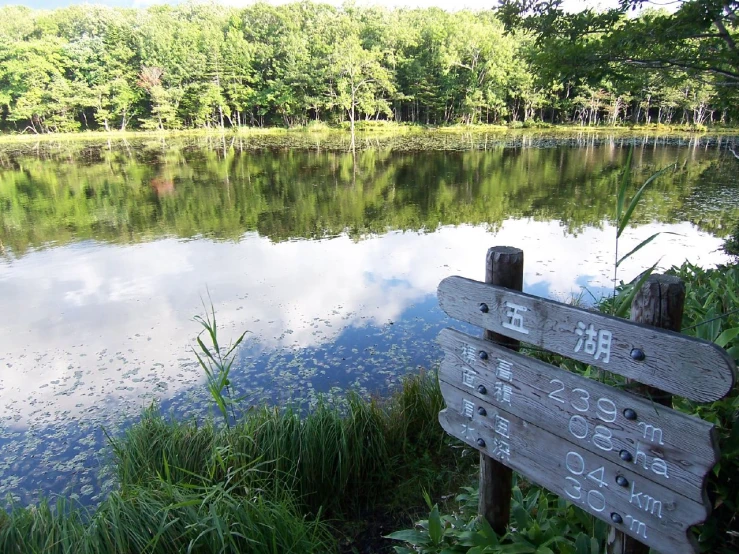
[681, 365]
[634, 463]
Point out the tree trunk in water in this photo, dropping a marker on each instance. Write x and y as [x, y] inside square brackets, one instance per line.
[351, 120]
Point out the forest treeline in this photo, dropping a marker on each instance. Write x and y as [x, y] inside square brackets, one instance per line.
[207, 65]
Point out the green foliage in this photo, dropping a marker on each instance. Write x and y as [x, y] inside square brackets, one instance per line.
[712, 313]
[338, 457]
[168, 67]
[731, 246]
[541, 524]
[694, 41]
[163, 518]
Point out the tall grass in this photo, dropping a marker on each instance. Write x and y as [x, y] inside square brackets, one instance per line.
[338, 457]
[622, 302]
[259, 484]
[217, 361]
[264, 485]
[166, 518]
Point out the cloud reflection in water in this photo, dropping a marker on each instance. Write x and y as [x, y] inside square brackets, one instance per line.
[92, 332]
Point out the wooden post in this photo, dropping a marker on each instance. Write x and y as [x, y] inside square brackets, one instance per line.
[503, 267]
[659, 303]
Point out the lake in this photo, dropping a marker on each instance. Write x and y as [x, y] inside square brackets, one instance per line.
[328, 259]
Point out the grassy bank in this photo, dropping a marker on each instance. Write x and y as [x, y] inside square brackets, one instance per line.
[335, 479]
[349, 472]
[370, 129]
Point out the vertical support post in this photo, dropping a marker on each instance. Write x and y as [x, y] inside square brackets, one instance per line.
[503, 267]
[659, 303]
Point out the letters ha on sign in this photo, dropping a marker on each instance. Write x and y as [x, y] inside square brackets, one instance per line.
[638, 466]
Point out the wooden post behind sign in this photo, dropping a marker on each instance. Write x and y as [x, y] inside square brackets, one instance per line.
[503, 267]
[659, 303]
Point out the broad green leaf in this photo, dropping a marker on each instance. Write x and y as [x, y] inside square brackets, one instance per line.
[582, 544]
[727, 336]
[518, 548]
[435, 529]
[522, 518]
[487, 531]
[416, 538]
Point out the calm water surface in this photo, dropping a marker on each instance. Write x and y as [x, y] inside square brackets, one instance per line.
[329, 260]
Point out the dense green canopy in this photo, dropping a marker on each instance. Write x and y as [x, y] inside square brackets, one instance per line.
[200, 65]
[697, 38]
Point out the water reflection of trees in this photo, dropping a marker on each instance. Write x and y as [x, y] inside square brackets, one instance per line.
[144, 191]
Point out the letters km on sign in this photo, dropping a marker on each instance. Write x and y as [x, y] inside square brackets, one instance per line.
[638, 465]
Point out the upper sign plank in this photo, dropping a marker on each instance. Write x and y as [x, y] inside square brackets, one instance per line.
[669, 361]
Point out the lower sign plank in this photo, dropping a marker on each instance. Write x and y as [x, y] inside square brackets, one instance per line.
[665, 446]
[654, 515]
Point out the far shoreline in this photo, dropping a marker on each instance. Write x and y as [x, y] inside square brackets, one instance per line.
[377, 129]
[389, 137]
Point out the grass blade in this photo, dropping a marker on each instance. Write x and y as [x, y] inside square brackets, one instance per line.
[624, 220]
[237, 343]
[625, 180]
[623, 304]
[643, 244]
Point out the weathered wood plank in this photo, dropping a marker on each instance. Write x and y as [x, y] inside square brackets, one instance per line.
[653, 514]
[669, 361]
[670, 448]
[658, 303]
[503, 267]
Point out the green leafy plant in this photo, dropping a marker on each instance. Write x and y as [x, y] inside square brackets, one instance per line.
[626, 295]
[217, 364]
[712, 313]
[541, 523]
[731, 245]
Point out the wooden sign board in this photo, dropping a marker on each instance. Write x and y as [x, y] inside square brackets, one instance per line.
[654, 515]
[669, 448]
[669, 361]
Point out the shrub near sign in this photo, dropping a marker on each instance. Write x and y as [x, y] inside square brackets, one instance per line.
[635, 464]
